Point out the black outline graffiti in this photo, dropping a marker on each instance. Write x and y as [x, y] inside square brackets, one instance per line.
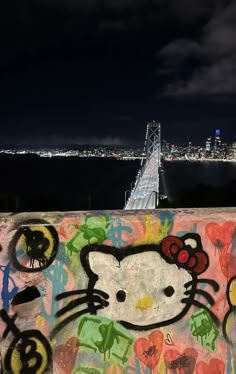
[21, 342]
[34, 252]
[98, 297]
[232, 310]
[91, 293]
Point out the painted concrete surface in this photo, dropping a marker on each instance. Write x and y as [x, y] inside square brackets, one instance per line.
[118, 292]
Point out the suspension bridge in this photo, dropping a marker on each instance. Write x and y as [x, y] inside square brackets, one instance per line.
[145, 193]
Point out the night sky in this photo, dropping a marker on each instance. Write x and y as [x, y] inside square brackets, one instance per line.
[95, 71]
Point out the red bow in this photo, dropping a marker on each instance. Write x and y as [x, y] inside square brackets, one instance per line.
[195, 260]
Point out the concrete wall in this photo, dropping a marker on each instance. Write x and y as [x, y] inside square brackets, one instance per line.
[118, 292]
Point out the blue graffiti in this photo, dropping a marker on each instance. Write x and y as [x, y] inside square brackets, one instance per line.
[137, 369]
[7, 294]
[165, 215]
[58, 277]
[193, 230]
[115, 233]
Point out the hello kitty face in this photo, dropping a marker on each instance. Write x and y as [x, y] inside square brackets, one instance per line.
[148, 286]
[143, 287]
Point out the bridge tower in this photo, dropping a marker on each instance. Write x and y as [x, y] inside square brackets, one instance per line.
[145, 194]
[153, 139]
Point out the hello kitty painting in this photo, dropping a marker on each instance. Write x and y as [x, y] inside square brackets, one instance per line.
[143, 287]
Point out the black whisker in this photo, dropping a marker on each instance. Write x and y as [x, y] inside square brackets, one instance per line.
[72, 304]
[205, 294]
[202, 306]
[81, 292]
[70, 293]
[69, 319]
[211, 282]
[186, 285]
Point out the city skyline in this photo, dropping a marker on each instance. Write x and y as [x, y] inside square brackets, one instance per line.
[214, 148]
[207, 142]
[86, 70]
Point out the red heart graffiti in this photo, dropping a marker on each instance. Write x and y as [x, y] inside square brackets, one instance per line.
[221, 235]
[228, 264]
[65, 355]
[215, 366]
[68, 228]
[183, 363]
[149, 350]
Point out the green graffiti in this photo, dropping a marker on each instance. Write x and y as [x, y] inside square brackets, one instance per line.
[203, 328]
[164, 228]
[89, 361]
[92, 230]
[167, 219]
[107, 337]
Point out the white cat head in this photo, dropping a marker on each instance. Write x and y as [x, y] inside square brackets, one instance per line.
[146, 285]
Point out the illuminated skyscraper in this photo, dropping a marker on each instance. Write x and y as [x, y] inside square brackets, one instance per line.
[217, 139]
[208, 144]
[165, 146]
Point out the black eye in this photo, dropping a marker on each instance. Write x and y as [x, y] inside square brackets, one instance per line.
[169, 291]
[121, 296]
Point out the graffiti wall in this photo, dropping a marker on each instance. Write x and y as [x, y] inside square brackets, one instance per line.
[118, 292]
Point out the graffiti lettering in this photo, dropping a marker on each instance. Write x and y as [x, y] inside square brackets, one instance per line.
[39, 242]
[29, 352]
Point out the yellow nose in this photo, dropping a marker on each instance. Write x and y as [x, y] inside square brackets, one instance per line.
[144, 302]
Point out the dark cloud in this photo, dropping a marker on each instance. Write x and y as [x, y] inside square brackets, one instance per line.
[131, 15]
[57, 140]
[181, 9]
[107, 140]
[83, 69]
[176, 54]
[30, 25]
[215, 53]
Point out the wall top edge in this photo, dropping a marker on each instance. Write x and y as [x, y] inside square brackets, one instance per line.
[199, 211]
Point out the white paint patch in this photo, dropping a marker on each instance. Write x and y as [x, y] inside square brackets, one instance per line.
[141, 275]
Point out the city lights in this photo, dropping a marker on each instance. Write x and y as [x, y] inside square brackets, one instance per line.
[213, 148]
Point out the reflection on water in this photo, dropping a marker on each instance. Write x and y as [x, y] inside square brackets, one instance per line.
[200, 183]
[31, 183]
